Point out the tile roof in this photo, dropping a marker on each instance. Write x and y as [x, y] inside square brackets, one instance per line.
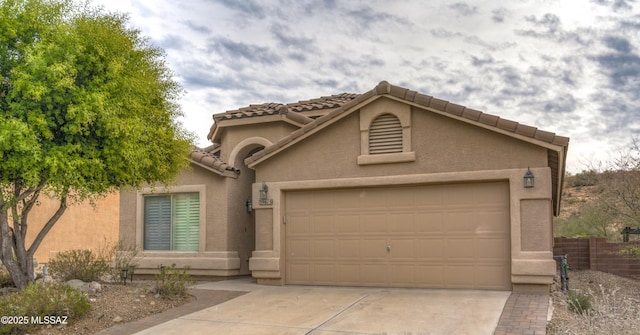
[211, 162]
[272, 108]
[293, 111]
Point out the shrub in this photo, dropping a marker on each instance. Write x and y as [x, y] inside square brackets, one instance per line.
[172, 282]
[123, 258]
[585, 178]
[39, 300]
[580, 303]
[78, 264]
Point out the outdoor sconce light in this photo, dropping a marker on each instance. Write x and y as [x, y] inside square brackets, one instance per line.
[249, 206]
[124, 276]
[528, 179]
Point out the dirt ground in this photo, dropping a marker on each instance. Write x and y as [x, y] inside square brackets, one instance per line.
[114, 305]
[615, 308]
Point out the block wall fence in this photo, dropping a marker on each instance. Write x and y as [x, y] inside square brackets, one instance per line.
[597, 254]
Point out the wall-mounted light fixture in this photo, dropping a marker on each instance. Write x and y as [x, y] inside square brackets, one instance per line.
[249, 205]
[528, 179]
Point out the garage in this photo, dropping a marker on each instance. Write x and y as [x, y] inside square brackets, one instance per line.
[429, 236]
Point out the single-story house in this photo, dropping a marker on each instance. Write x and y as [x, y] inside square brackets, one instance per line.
[388, 188]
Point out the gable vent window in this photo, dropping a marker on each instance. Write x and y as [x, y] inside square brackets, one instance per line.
[385, 135]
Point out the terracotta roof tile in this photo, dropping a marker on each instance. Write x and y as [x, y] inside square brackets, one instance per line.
[507, 125]
[438, 104]
[525, 130]
[489, 119]
[211, 161]
[457, 110]
[271, 108]
[422, 99]
[544, 136]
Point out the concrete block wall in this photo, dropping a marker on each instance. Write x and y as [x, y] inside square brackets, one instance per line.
[597, 254]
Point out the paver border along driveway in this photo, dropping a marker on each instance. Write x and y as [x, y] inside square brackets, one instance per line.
[322, 310]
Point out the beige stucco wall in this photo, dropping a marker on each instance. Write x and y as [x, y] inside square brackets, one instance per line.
[446, 151]
[234, 135]
[82, 226]
[441, 145]
[214, 256]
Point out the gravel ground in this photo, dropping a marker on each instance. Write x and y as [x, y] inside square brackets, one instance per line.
[616, 305]
[115, 304]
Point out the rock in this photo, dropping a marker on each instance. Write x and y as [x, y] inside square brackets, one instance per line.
[117, 319]
[92, 288]
[77, 284]
[153, 303]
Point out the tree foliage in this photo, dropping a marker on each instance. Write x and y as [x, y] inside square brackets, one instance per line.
[87, 105]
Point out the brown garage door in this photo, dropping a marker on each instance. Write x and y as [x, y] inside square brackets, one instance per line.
[437, 236]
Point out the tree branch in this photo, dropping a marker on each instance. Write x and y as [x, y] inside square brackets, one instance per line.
[47, 227]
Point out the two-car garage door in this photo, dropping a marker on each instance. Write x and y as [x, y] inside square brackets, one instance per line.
[436, 236]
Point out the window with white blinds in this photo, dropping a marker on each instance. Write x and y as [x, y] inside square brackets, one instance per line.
[172, 222]
[385, 135]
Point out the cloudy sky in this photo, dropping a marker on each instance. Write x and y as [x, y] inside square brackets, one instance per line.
[567, 66]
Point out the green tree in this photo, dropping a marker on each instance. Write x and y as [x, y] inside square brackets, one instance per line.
[87, 106]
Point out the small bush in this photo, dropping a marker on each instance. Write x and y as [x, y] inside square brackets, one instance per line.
[78, 264]
[580, 303]
[172, 282]
[123, 258]
[39, 300]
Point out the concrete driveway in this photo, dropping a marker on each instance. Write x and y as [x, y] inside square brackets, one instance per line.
[341, 310]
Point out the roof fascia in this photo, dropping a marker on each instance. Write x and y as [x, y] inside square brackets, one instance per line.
[531, 140]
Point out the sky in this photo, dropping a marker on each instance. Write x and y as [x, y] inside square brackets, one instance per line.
[567, 66]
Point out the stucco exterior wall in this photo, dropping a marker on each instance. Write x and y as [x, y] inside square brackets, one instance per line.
[232, 136]
[446, 151]
[214, 257]
[82, 226]
[440, 144]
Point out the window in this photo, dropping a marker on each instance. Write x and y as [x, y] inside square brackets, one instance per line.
[172, 222]
[385, 135]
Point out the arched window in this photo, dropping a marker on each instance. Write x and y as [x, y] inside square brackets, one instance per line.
[385, 135]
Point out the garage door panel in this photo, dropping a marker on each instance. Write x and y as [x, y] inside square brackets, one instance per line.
[323, 248]
[375, 274]
[323, 273]
[401, 248]
[403, 275]
[348, 224]
[403, 223]
[373, 248]
[431, 248]
[441, 236]
[298, 273]
[429, 222]
[373, 224]
[298, 224]
[492, 248]
[349, 249]
[299, 248]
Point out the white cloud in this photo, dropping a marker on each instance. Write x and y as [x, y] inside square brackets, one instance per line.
[563, 66]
